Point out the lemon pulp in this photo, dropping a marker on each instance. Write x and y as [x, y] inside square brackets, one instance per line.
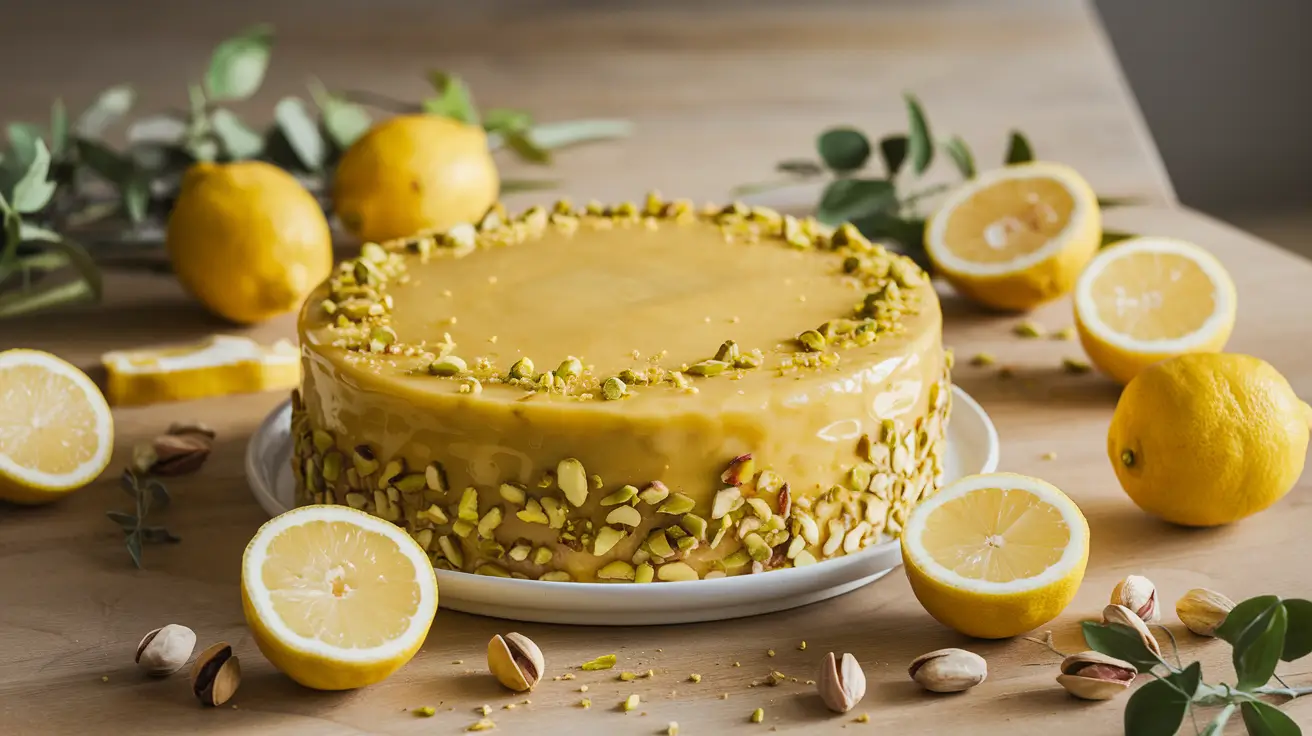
[40, 428]
[1010, 219]
[1154, 296]
[998, 535]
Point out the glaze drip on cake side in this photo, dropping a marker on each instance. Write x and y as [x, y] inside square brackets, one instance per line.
[701, 317]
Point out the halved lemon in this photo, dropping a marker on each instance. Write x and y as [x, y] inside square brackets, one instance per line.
[217, 366]
[1016, 237]
[996, 555]
[56, 432]
[1147, 299]
[337, 599]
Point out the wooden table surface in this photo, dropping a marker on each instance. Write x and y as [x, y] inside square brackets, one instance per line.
[718, 93]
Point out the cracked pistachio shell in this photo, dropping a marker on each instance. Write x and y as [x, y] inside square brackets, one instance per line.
[841, 683]
[1138, 594]
[948, 670]
[1114, 614]
[216, 674]
[1095, 676]
[165, 650]
[515, 661]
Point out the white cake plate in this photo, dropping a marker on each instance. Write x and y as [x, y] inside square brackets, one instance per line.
[972, 448]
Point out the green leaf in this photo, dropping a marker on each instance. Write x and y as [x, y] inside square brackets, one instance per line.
[17, 303]
[920, 143]
[159, 494]
[302, 132]
[502, 119]
[202, 149]
[1114, 236]
[961, 156]
[510, 186]
[453, 98]
[34, 190]
[1263, 719]
[238, 64]
[554, 136]
[909, 231]
[23, 138]
[134, 548]
[13, 226]
[158, 535]
[107, 163]
[1157, 708]
[111, 105]
[1244, 617]
[136, 197]
[524, 147]
[239, 142]
[58, 128]
[1298, 637]
[893, 149]
[1107, 203]
[850, 199]
[127, 522]
[1217, 726]
[158, 129]
[1121, 642]
[1018, 149]
[344, 121]
[800, 167]
[843, 149]
[1258, 651]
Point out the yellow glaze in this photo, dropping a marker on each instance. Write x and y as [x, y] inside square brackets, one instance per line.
[651, 295]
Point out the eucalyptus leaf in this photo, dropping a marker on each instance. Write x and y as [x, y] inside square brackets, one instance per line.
[1110, 237]
[126, 521]
[239, 142]
[1107, 203]
[159, 535]
[893, 149]
[23, 138]
[33, 191]
[1158, 708]
[109, 106]
[238, 64]
[851, 199]
[1120, 642]
[1018, 149]
[75, 255]
[525, 148]
[344, 121]
[1244, 617]
[1258, 651]
[302, 132]
[511, 186]
[18, 303]
[843, 149]
[13, 226]
[453, 98]
[1217, 726]
[159, 494]
[41, 262]
[166, 129]
[920, 143]
[1264, 719]
[134, 548]
[135, 191]
[127, 482]
[565, 133]
[58, 128]
[961, 156]
[110, 165]
[503, 119]
[800, 167]
[1298, 639]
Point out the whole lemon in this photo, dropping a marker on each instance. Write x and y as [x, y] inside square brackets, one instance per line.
[248, 240]
[1208, 438]
[413, 173]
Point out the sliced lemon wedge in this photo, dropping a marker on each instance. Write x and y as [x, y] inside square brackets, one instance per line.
[996, 555]
[1016, 237]
[337, 599]
[1147, 299]
[56, 432]
[217, 366]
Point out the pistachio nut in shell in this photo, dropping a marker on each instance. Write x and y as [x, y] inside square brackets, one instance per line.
[841, 683]
[1095, 676]
[165, 650]
[1138, 594]
[948, 670]
[1114, 614]
[216, 674]
[1202, 610]
[515, 661]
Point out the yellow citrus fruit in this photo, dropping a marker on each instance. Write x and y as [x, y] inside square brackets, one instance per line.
[995, 555]
[1016, 237]
[1146, 299]
[248, 240]
[1205, 439]
[217, 366]
[56, 432]
[413, 173]
[337, 599]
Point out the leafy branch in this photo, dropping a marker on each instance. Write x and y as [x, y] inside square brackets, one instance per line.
[147, 494]
[1262, 632]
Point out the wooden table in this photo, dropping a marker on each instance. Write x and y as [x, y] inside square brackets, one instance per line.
[718, 94]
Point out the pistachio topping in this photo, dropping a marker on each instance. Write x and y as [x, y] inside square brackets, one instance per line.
[448, 365]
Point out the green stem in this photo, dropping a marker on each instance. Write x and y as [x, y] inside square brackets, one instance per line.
[915, 197]
[1289, 692]
[1175, 647]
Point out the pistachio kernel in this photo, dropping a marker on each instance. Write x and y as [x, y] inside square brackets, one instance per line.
[613, 389]
[707, 368]
[522, 368]
[812, 341]
[569, 367]
[448, 365]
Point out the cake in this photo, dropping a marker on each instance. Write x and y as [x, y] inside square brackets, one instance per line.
[641, 392]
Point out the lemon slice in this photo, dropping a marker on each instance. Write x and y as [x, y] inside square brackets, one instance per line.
[56, 432]
[336, 598]
[1016, 237]
[1147, 299]
[996, 555]
[217, 366]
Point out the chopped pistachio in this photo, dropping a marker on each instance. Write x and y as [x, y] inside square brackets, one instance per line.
[677, 504]
[672, 729]
[513, 493]
[604, 662]
[532, 513]
[483, 724]
[617, 570]
[812, 341]
[757, 547]
[364, 460]
[802, 645]
[769, 652]
[468, 508]
[623, 495]
[740, 470]
[556, 512]
[462, 528]
[659, 544]
[448, 365]
[982, 359]
[728, 352]
[1075, 365]
[694, 677]
[490, 521]
[569, 367]
[435, 477]
[631, 703]
[676, 571]
[607, 538]
[520, 552]
[573, 480]
[556, 576]
[654, 493]
[758, 715]
[760, 508]
[522, 368]
[694, 525]
[425, 712]
[626, 515]
[708, 368]
[644, 573]
[727, 500]
[542, 555]
[1065, 333]
[628, 676]
[1049, 455]
[450, 551]
[1028, 329]
[613, 389]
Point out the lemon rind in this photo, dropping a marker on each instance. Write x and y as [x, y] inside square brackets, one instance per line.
[1085, 209]
[1071, 558]
[1224, 286]
[87, 471]
[257, 553]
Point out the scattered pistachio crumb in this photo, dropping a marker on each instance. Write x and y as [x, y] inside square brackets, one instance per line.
[1075, 365]
[1028, 329]
[457, 661]
[425, 712]
[802, 646]
[491, 279]
[694, 677]
[736, 664]
[758, 715]
[1049, 456]
[604, 662]
[492, 339]
[672, 729]
[631, 703]
[628, 676]
[567, 676]
[583, 688]
[585, 703]
[484, 709]
[649, 673]
[482, 724]
[104, 678]
[1006, 372]
[810, 682]
[446, 293]
[724, 696]
[769, 652]
[863, 718]
[1065, 333]
[508, 706]
[982, 359]
[526, 701]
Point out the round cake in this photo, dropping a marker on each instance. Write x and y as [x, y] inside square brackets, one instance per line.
[642, 392]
